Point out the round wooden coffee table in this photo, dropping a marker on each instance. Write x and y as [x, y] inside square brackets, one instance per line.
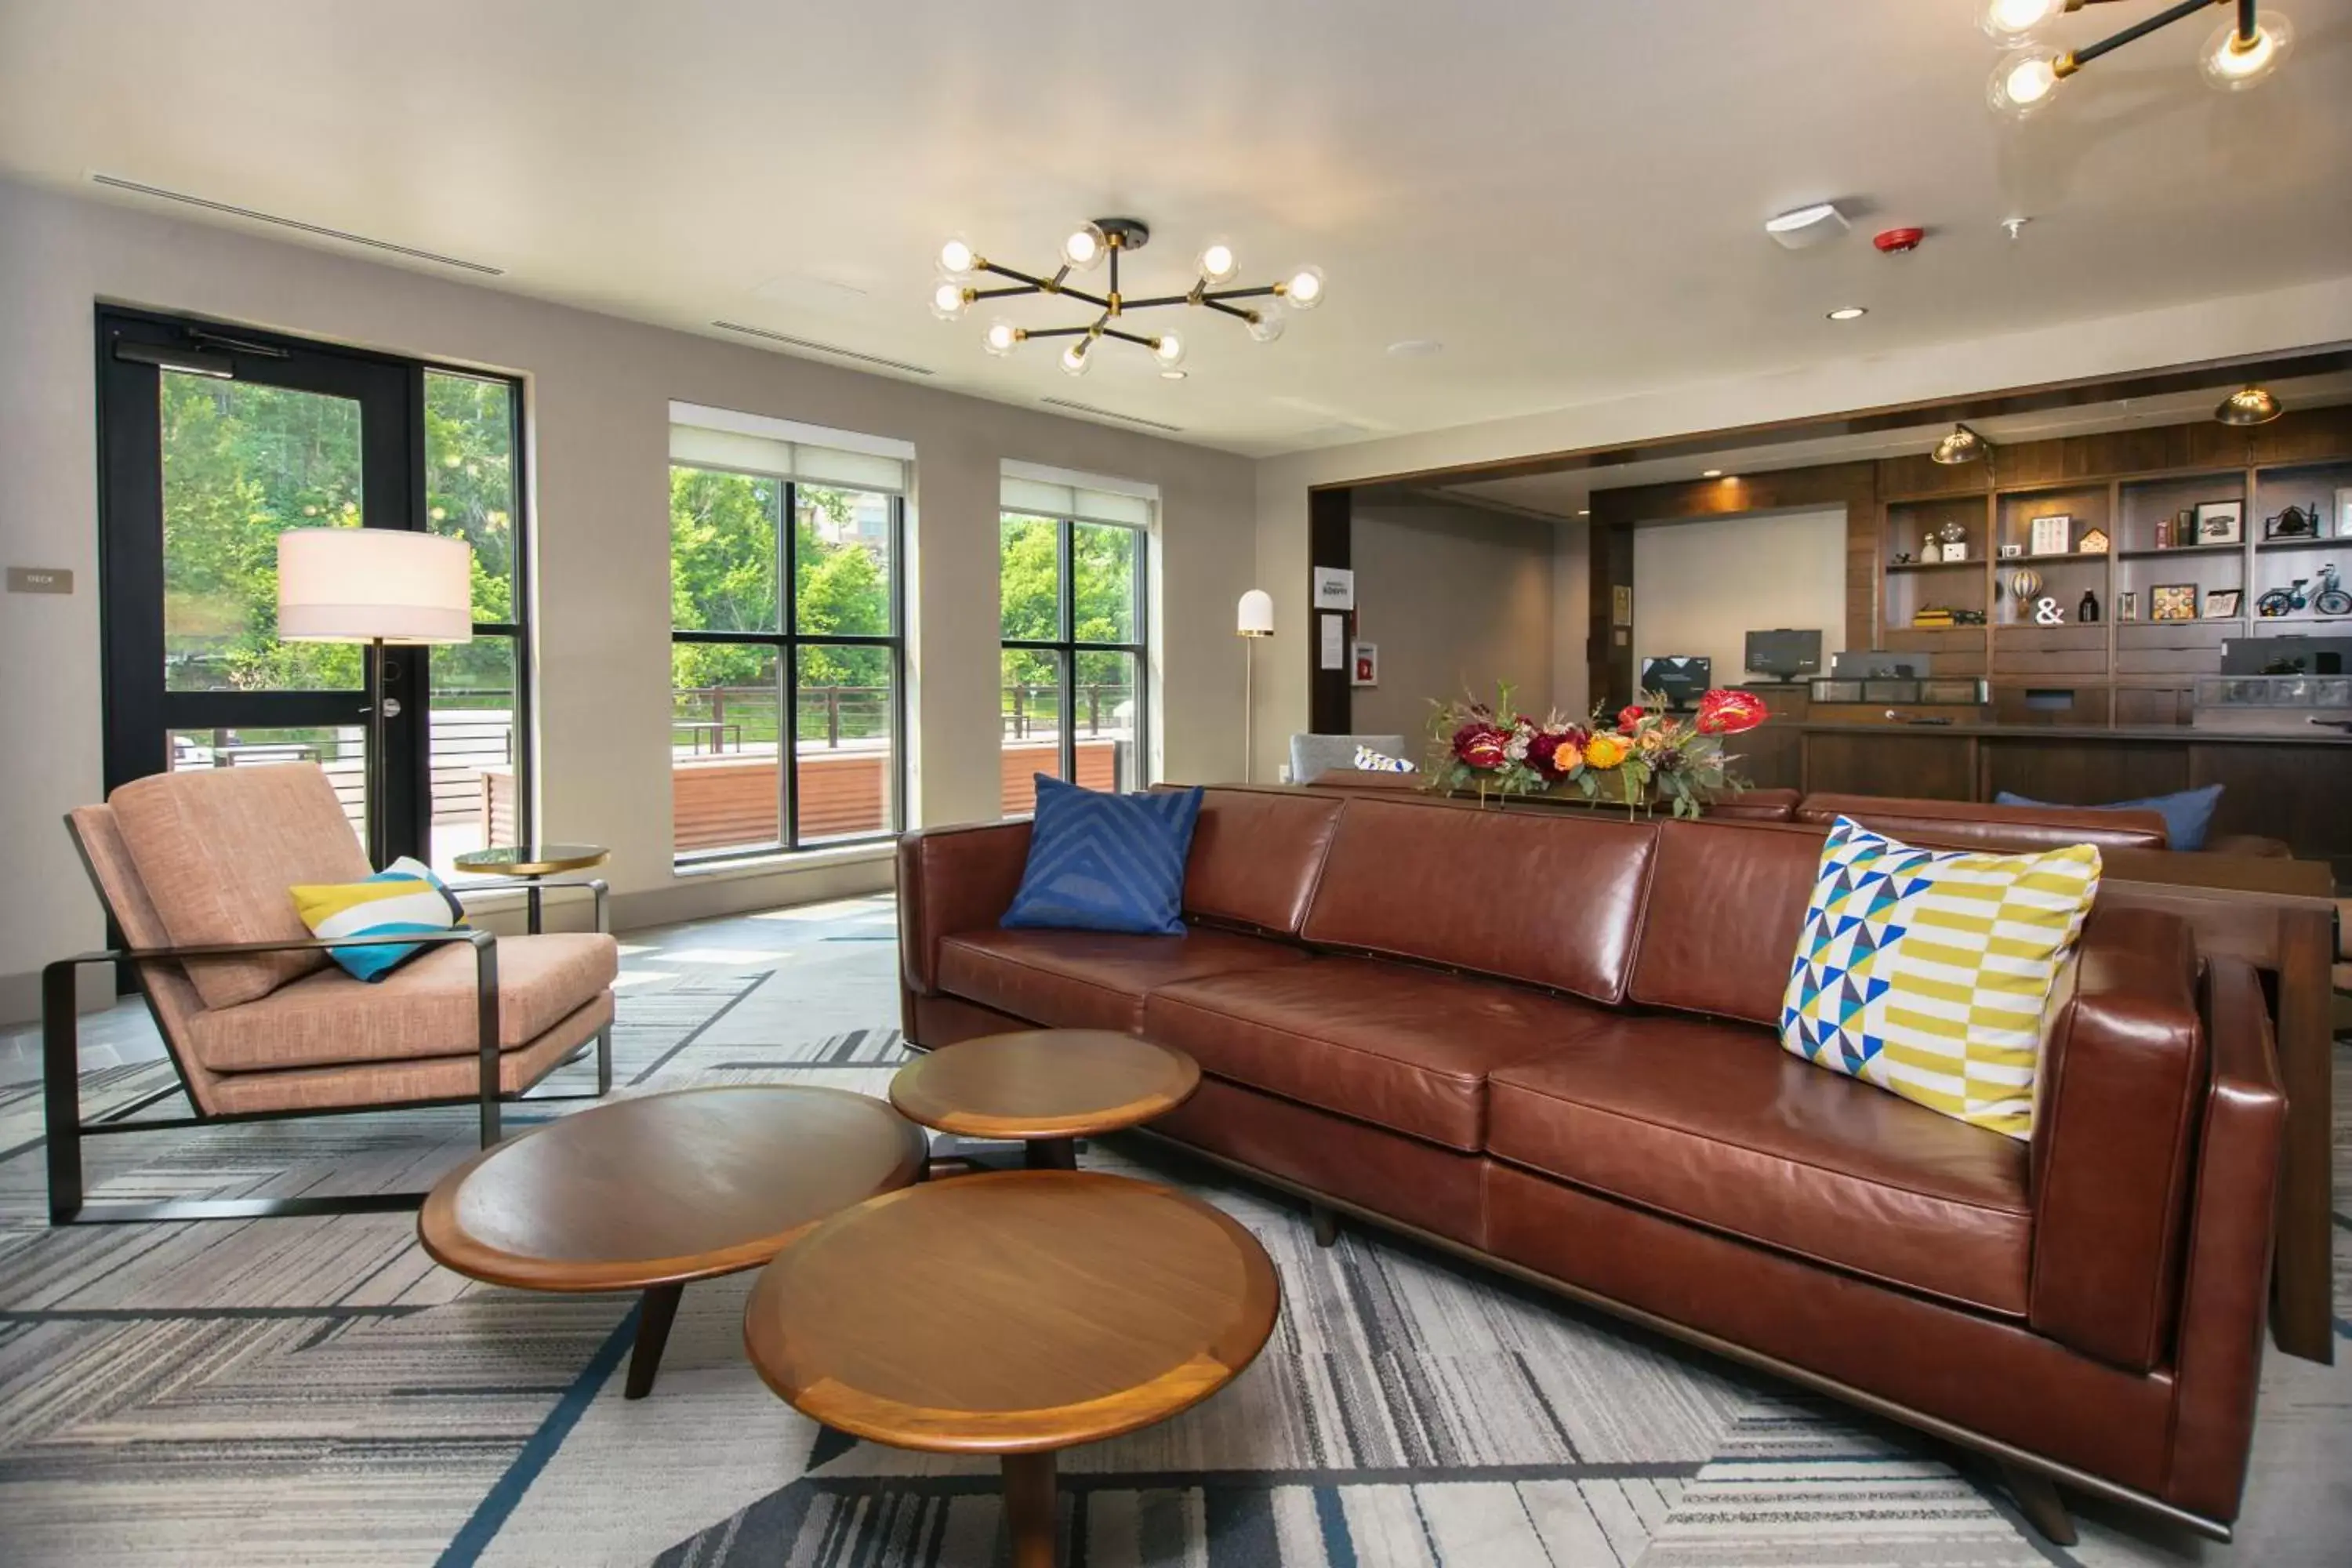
[652, 1193]
[1047, 1088]
[1013, 1313]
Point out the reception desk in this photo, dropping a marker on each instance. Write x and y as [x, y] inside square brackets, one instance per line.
[2292, 788]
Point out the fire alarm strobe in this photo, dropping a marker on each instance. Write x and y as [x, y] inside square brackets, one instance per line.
[1895, 241]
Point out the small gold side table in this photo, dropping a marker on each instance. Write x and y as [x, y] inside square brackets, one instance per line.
[528, 863]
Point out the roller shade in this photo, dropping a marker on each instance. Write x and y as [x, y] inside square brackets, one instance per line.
[1088, 498]
[751, 443]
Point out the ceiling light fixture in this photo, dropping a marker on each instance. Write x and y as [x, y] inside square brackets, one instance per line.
[1849, 314]
[1414, 348]
[2249, 404]
[2242, 52]
[1962, 445]
[1088, 247]
[1710, 473]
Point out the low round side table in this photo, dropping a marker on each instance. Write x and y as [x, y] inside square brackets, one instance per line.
[1046, 1087]
[1014, 1313]
[654, 1192]
[530, 864]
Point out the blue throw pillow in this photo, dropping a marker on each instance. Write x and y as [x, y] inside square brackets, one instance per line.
[1107, 862]
[2187, 814]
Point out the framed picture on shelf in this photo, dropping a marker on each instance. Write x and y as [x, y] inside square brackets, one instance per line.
[2222, 604]
[2172, 602]
[2054, 534]
[2221, 522]
[2342, 527]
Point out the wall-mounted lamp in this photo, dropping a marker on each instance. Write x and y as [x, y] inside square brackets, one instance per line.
[1962, 445]
[2249, 405]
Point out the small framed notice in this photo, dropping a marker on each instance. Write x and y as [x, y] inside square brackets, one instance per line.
[1335, 588]
[1332, 652]
[2054, 534]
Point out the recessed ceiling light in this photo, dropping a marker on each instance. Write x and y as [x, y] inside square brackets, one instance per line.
[1849, 314]
[1710, 473]
[1414, 348]
[1174, 375]
[1584, 511]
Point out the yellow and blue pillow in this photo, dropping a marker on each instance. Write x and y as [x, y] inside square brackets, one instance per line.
[403, 899]
[1927, 972]
[1110, 862]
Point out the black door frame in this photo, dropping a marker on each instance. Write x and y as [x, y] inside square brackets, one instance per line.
[133, 348]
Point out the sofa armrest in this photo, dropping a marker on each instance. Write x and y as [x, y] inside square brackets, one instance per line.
[2231, 1228]
[2250, 845]
[2123, 1086]
[953, 880]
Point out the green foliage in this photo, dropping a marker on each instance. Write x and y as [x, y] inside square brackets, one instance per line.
[1102, 599]
[243, 462]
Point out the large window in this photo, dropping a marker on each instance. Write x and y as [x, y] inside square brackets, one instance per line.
[1074, 697]
[216, 441]
[785, 661]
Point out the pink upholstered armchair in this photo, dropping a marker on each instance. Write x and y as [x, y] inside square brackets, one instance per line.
[194, 868]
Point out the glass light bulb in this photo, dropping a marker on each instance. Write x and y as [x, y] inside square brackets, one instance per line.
[1002, 338]
[1271, 320]
[1083, 247]
[1218, 262]
[2233, 67]
[2012, 21]
[2023, 81]
[948, 299]
[1076, 360]
[956, 257]
[1169, 351]
[1304, 289]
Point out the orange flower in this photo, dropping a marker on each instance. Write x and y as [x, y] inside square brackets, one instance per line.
[1604, 752]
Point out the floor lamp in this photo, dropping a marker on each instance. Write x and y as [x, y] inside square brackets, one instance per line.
[1254, 619]
[377, 586]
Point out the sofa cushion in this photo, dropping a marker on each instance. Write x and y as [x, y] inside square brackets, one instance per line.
[1091, 980]
[422, 1009]
[1404, 1048]
[1726, 904]
[1713, 1123]
[1255, 856]
[217, 847]
[1548, 897]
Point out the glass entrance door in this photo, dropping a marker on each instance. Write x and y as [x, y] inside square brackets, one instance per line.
[212, 445]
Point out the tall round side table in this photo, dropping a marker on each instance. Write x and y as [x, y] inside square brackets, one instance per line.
[532, 865]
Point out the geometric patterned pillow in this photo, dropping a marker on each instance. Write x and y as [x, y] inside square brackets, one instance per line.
[1100, 860]
[1926, 972]
[405, 899]
[1369, 760]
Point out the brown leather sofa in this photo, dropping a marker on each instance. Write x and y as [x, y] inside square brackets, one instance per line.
[1544, 1040]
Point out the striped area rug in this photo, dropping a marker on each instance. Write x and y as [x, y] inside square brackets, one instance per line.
[317, 1392]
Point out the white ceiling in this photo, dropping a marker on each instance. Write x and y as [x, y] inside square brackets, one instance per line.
[1568, 196]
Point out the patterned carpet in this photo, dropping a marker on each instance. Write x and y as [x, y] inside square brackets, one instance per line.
[318, 1392]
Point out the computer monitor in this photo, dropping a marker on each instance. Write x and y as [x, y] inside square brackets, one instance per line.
[1784, 654]
[1681, 679]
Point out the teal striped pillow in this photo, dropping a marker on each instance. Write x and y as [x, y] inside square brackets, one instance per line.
[405, 896]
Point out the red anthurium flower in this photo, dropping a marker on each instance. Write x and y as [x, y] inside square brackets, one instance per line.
[1629, 717]
[1480, 746]
[1724, 712]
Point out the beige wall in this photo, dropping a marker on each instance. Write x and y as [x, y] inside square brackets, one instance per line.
[2194, 333]
[1457, 598]
[1571, 616]
[598, 395]
[1700, 587]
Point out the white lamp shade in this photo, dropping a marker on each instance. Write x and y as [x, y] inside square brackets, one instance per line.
[1256, 615]
[356, 585]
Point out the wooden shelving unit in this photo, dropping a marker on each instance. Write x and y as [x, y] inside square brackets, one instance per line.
[2124, 672]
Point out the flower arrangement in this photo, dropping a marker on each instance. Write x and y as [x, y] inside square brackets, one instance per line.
[1645, 756]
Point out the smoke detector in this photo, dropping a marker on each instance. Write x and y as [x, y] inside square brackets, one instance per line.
[1807, 227]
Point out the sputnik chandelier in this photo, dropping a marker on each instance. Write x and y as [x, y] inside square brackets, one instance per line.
[1086, 247]
[2241, 52]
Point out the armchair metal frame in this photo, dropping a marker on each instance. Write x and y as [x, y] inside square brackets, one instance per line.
[64, 1128]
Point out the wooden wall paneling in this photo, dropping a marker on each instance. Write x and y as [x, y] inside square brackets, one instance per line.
[2293, 793]
[2082, 772]
[1330, 534]
[1914, 763]
[2298, 435]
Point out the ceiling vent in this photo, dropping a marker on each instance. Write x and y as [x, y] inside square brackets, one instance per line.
[818, 348]
[1090, 410]
[346, 236]
[1805, 227]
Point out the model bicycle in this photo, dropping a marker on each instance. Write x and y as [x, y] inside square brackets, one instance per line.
[2327, 599]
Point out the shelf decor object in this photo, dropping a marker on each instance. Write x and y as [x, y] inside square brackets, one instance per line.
[2172, 602]
[2220, 522]
[2053, 535]
[1089, 245]
[2093, 543]
[2241, 53]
